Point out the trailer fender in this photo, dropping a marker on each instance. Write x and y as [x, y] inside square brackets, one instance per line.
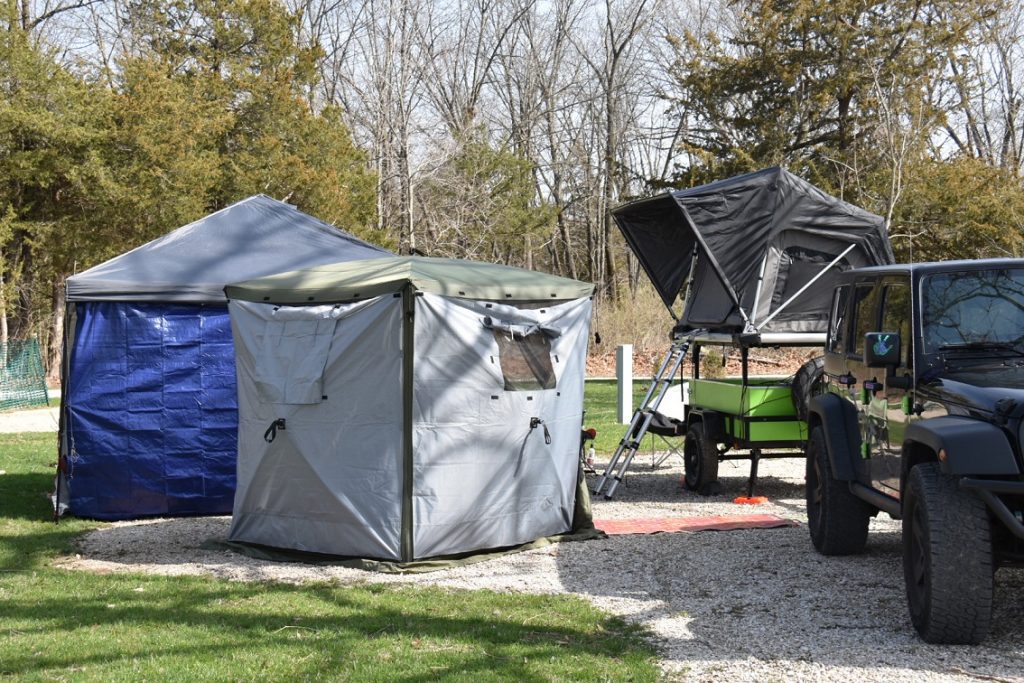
[964, 447]
[838, 420]
[713, 421]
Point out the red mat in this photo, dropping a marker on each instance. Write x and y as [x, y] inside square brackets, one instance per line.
[667, 525]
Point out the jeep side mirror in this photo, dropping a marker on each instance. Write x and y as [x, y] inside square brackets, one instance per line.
[881, 349]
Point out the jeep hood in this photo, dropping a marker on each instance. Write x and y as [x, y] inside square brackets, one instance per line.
[981, 386]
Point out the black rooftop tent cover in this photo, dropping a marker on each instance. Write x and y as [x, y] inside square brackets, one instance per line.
[752, 244]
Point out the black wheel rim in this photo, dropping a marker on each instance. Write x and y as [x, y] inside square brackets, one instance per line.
[815, 490]
[917, 559]
[691, 463]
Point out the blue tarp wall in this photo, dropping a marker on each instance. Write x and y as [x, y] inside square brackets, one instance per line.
[152, 410]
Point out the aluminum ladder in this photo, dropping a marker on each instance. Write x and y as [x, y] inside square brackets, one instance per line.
[643, 416]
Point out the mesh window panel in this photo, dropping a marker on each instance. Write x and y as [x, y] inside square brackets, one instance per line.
[525, 361]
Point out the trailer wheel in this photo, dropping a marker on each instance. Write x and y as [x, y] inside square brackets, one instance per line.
[837, 519]
[700, 460]
[947, 558]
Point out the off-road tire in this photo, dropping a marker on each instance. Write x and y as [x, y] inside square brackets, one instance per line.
[700, 460]
[805, 385]
[837, 519]
[948, 559]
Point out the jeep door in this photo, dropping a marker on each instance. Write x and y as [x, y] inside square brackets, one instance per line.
[864, 382]
[897, 392]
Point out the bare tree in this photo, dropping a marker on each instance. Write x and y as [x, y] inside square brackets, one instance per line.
[375, 69]
[614, 65]
[986, 101]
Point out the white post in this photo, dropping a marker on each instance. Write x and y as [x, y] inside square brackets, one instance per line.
[624, 382]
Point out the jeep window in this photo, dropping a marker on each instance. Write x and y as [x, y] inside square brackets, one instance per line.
[837, 329]
[896, 315]
[865, 318]
[973, 308]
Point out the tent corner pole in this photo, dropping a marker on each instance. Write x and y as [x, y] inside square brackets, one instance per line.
[408, 340]
[63, 418]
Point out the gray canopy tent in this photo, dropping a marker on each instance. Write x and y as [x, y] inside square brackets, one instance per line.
[407, 408]
[755, 254]
[148, 416]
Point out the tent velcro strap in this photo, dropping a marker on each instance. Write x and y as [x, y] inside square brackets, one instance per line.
[271, 432]
[537, 422]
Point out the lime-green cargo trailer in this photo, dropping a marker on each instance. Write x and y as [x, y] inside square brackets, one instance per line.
[741, 418]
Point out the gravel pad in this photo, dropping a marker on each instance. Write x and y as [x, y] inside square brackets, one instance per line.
[747, 605]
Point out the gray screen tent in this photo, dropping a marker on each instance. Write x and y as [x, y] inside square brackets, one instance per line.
[408, 408]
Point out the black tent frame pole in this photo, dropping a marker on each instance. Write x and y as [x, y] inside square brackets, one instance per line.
[407, 552]
[760, 285]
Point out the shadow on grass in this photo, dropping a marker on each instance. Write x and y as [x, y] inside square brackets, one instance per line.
[357, 624]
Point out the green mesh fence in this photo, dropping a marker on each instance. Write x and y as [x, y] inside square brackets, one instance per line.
[22, 378]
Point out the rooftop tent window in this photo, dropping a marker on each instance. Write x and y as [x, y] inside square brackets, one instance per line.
[524, 352]
[797, 267]
[713, 306]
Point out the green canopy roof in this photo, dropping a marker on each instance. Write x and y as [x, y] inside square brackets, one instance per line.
[372, 277]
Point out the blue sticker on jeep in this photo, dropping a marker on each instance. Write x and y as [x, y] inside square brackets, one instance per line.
[881, 348]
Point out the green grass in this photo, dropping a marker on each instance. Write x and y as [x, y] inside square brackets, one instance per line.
[600, 403]
[72, 625]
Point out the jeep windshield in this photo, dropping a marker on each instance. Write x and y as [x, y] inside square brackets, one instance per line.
[974, 310]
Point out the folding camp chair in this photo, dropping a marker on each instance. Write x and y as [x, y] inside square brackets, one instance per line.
[666, 431]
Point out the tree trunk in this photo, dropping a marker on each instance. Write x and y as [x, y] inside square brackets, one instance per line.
[55, 354]
[4, 332]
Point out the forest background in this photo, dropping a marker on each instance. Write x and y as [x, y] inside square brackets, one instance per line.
[500, 130]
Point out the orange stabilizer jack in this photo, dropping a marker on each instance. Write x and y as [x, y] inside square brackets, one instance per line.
[752, 500]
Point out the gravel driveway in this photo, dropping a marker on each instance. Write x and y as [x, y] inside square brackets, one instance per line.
[750, 605]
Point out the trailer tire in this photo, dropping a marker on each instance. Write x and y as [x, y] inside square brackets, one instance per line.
[700, 461]
[837, 519]
[805, 385]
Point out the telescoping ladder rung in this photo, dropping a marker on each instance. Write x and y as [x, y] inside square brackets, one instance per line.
[631, 440]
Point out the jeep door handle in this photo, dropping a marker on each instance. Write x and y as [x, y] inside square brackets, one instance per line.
[872, 385]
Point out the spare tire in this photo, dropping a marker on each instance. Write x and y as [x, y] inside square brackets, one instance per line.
[805, 383]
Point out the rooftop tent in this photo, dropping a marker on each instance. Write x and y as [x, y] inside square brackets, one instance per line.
[406, 408]
[149, 410]
[760, 250]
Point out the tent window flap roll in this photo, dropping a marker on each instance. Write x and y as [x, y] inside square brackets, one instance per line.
[291, 360]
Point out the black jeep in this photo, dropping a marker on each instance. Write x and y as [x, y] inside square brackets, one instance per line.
[920, 414]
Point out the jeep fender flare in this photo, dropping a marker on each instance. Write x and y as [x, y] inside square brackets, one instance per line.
[972, 447]
[838, 420]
